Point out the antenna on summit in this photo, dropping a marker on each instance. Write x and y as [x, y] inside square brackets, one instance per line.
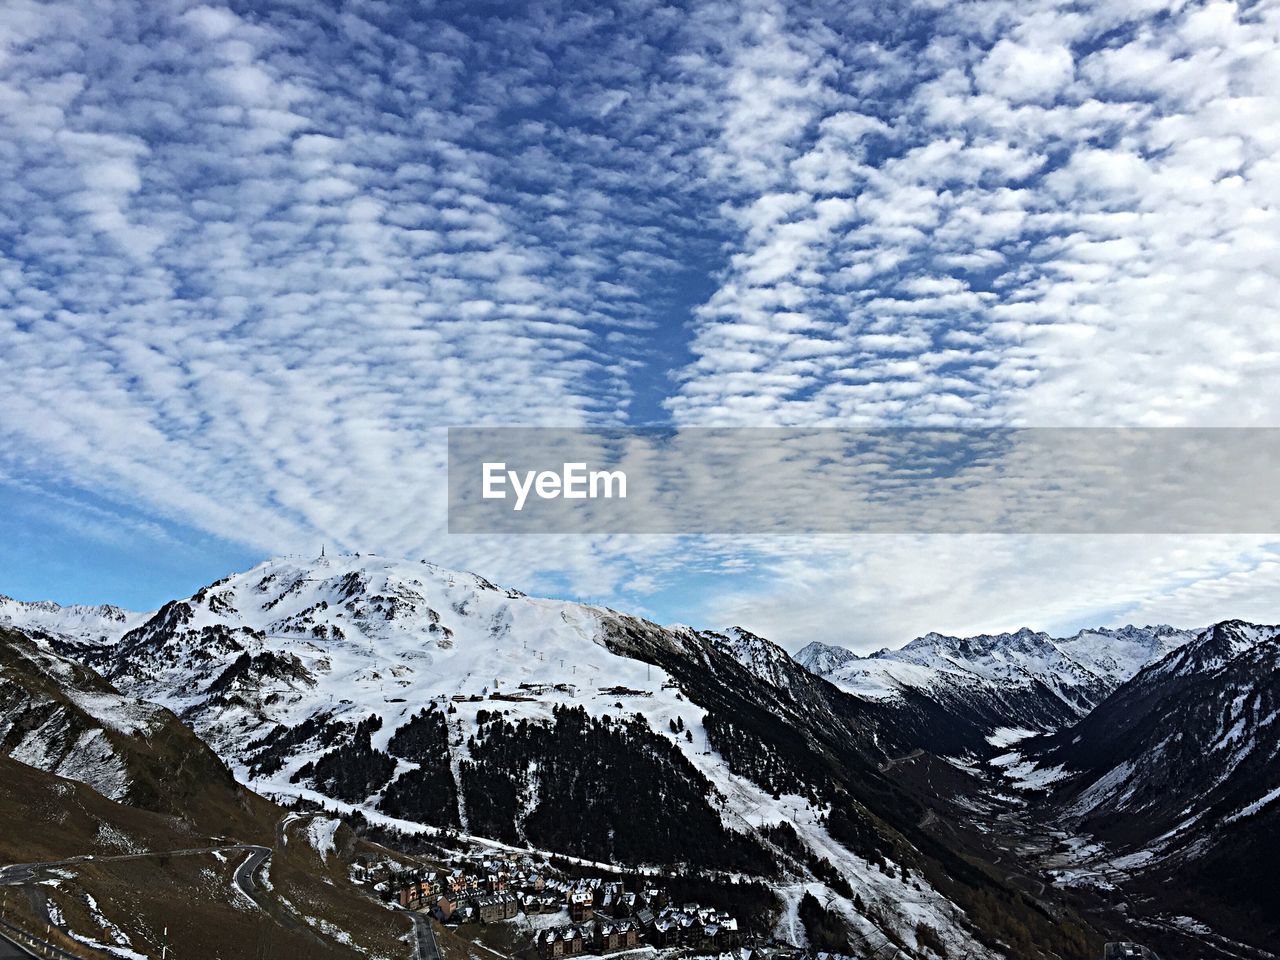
[322, 549]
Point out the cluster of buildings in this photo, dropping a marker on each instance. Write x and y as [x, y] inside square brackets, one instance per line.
[689, 926]
[600, 936]
[601, 916]
[486, 892]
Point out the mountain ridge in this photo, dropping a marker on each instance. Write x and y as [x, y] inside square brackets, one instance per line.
[420, 698]
[411, 694]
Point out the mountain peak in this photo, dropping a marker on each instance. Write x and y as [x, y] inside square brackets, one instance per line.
[1216, 646]
[823, 658]
[978, 645]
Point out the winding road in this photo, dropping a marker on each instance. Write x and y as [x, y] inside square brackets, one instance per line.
[26, 875]
[19, 874]
[244, 877]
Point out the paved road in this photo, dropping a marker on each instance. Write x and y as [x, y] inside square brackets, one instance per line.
[20, 874]
[425, 947]
[245, 877]
[11, 951]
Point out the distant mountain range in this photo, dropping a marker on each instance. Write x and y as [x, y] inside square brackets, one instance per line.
[1080, 670]
[72, 625]
[978, 685]
[418, 698]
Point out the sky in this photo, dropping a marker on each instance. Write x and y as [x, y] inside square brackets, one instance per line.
[256, 258]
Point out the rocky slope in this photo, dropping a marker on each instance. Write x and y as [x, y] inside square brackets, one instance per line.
[61, 717]
[132, 832]
[1177, 773]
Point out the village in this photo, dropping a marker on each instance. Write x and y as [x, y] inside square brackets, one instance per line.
[552, 916]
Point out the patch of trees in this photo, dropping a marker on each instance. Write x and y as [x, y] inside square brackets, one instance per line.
[859, 834]
[751, 902]
[274, 748]
[424, 738]
[1006, 921]
[599, 788]
[783, 835]
[825, 930]
[750, 756]
[428, 794]
[412, 843]
[928, 939]
[352, 771]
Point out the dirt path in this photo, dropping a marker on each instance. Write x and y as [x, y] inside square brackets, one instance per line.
[890, 764]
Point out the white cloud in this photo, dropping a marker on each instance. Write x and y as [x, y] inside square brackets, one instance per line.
[1021, 73]
[260, 262]
[870, 592]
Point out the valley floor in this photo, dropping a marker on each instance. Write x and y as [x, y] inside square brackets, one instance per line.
[994, 810]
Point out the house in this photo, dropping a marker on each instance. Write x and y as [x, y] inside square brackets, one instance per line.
[549, 944]
[496, 882]
[628, 934]
[458, 883]
[542, 903]
[581, 905]
[711, 938]
[606, 937]
[417, 892]
[493, 907]
[666, 933]
[732, 937]
[559, 942]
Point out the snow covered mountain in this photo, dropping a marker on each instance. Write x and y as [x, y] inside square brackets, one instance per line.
[972, 688]
[428, 699]
[423, 697]
[823, 658]
[74, 626]
[1193, 736]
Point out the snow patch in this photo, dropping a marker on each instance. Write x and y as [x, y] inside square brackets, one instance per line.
[321, 833]
[1252, 808]
[1008, 736]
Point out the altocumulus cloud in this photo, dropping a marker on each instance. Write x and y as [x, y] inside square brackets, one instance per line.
[995, 212]
[255, 259]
